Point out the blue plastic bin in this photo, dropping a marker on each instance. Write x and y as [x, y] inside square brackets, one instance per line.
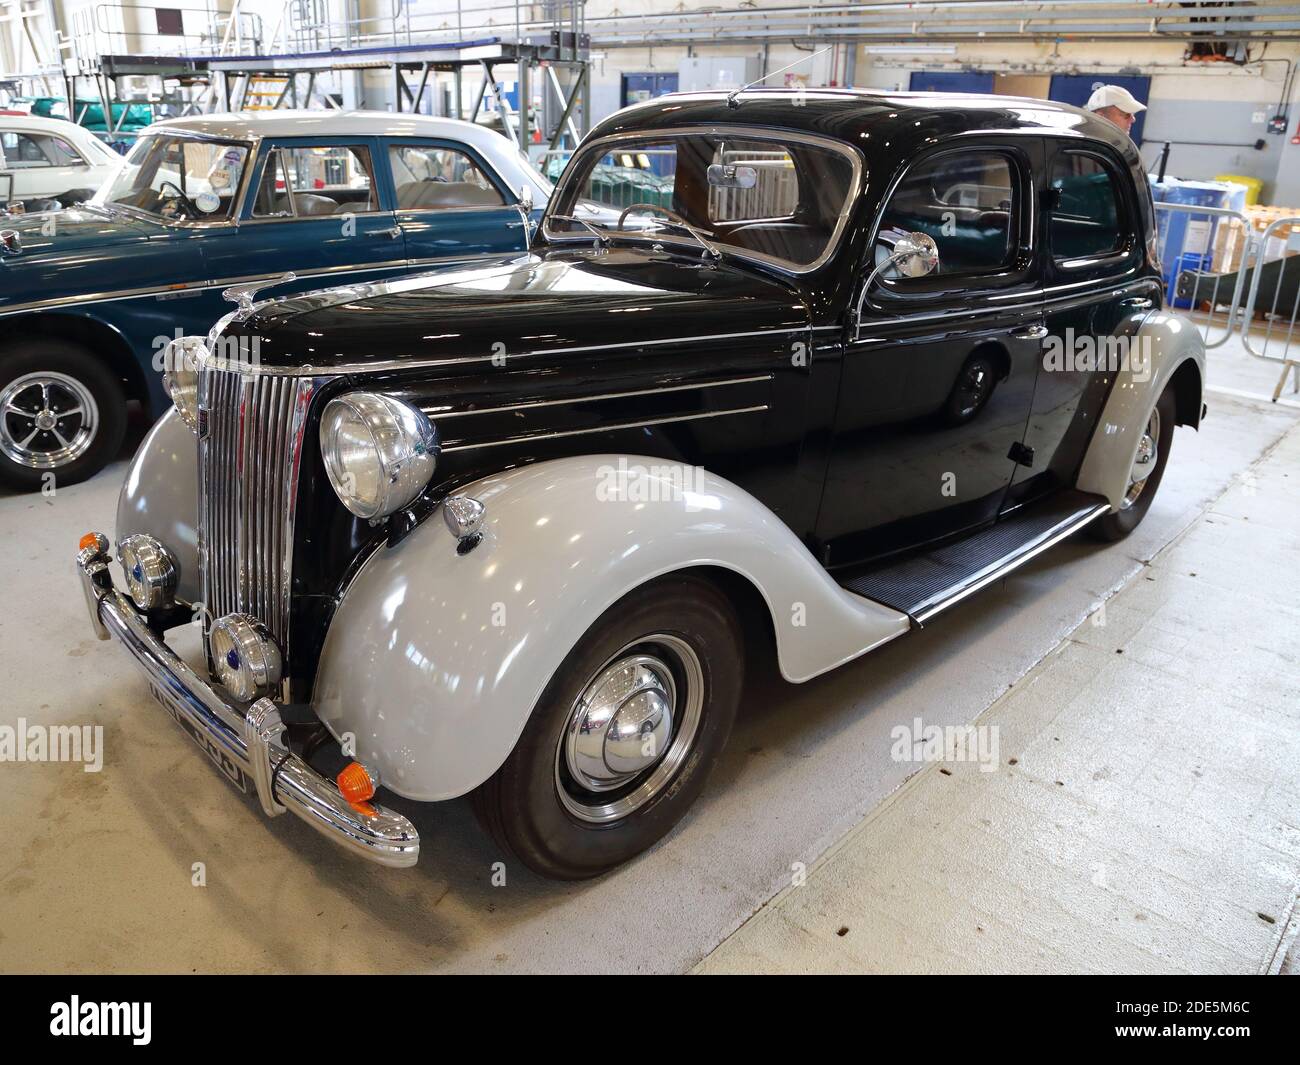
[1185, 241]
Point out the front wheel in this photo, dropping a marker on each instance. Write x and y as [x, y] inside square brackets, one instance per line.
[62, 413]
[624, 736]
[1144, 477]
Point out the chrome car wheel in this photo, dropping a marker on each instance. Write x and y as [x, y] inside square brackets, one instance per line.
[630, 729]
[1145, 461]
[47, 419]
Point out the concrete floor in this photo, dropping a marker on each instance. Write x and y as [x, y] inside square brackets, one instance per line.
[1144, 813]
[98, 868]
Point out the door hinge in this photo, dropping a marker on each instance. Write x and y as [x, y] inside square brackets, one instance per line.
[1021, 455]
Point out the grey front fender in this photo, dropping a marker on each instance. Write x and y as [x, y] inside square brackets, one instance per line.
[434, 660]
[1163, 346]
[161, 497]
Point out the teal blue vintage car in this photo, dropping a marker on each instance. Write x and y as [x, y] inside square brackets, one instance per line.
[89, 296]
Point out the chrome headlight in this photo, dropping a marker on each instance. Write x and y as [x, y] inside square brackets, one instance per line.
[379, 452]
[150, 571]
[245, 657]
[181, 377]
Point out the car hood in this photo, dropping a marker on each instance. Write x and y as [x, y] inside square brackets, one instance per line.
[74, 230]
[533, 304]
[71, 253]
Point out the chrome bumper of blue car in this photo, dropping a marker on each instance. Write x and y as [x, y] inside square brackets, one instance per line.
[247, 746]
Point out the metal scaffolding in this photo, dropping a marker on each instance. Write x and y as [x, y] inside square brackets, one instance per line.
[945, 21]
[239, 63]
[30, 60]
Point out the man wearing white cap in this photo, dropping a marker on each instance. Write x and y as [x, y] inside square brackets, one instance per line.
[1116, 104]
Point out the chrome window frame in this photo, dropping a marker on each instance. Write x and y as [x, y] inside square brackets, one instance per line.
[276, 150]
[510, 198]
[254, 147]
[33, 133]
[763, 133]
[1129, 222]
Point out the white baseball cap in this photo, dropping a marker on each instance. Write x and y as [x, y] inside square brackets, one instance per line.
[1114, 96]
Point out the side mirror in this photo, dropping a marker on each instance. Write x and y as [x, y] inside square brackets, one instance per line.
[915, 255]
[10, 242]
[526, 197]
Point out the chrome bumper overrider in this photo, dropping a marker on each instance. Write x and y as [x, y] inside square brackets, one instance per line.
[247, 747]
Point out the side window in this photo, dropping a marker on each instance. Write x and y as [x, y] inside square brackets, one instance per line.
[61, 152]
[305, 182]
[967, 201]
[23, 150]
[432, 178]
[1085, 220]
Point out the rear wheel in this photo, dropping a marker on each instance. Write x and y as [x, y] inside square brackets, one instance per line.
[624, 736]
[61, 412]
[1145, 474]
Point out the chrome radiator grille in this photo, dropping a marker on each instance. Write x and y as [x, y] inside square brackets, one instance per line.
[251, 437]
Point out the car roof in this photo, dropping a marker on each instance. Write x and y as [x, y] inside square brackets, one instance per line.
[286, 123]
[501, 152]
[42, 124]
[898, 122]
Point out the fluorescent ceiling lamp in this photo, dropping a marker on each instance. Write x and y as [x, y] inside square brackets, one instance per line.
[912, 49]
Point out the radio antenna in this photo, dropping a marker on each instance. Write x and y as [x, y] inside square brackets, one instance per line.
[732, 102]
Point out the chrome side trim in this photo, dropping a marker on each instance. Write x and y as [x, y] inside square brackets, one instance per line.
[1038, 299]
[283, 781]
[465, 360]
[528, 438]
[1012, 561]
[203, 286]
[443, 413]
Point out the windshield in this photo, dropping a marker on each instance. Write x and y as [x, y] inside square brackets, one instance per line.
[179, 178]
[783, 201]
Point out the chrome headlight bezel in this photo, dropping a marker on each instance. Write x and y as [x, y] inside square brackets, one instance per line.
[379, 452]
[245, 657]
[180, 359]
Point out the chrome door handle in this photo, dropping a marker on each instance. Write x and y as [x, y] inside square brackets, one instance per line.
[394, 232]
[1137, 303]
[1030, 332]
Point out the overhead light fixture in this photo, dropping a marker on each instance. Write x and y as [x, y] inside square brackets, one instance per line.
[912, 49]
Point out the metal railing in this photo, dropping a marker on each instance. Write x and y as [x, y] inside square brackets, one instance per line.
[624, 178]
[140, 29]
[1196, 247]
[311, 26]
[1234, 279]
[1282, 275]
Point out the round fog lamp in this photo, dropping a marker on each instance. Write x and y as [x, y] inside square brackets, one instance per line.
[150, 571]
[245, 656]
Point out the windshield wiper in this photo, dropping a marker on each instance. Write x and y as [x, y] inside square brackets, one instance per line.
[601, 238]
[673, 218]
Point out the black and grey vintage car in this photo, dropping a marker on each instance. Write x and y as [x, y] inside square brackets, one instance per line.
[513, 531]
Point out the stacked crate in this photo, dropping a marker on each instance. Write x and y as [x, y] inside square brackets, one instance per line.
[1230, 237]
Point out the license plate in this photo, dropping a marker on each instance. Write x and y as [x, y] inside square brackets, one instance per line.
[219, 758]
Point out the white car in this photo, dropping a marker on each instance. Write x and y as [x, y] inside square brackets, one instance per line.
[51, 158]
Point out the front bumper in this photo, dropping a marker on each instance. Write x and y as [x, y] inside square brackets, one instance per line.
[248, 746]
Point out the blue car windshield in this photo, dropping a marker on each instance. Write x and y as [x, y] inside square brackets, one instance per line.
[179, 179]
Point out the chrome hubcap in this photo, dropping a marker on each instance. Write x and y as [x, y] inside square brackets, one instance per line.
[630, 729]
[1144, 462]
[47, 420]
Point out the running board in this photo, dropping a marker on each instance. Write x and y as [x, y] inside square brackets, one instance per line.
[923, 585]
